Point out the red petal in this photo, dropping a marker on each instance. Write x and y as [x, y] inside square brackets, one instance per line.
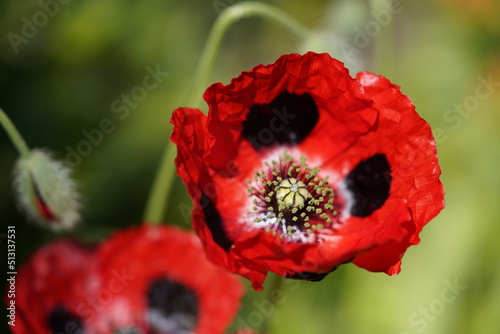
[337, 95]
[63, 273]
[415, 152]
[148, 252]
[43, 208]
[410, 147]
[356, 237]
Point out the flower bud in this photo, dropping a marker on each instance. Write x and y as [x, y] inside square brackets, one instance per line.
[45, 191]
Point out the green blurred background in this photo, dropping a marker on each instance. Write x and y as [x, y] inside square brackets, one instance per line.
[64, 79]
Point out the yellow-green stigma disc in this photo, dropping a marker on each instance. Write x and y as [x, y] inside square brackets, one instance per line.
[291, 192]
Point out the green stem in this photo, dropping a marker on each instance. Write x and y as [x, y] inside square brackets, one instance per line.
[225, 20]
[14, 135]
[160, 192]
[276, 283]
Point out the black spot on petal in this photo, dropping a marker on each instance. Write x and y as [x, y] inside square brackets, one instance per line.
[214, 222]
[286, 120]
[308, 276]
[60, 321]
[313, 277]
[369, 184]
[172, 307]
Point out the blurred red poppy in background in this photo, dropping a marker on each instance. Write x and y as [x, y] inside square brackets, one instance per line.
[51, 286]
[147, 279]
[168, 282]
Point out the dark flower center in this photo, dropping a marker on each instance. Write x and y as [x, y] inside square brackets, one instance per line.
[290, 199]
[172, 307]
[60, 320]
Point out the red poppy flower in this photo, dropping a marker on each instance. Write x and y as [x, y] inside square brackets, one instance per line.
[147, 279]
[50, 287]
[167, 281]
[299, 168]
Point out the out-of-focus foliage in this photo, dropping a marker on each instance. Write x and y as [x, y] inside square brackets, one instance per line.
[71, 70]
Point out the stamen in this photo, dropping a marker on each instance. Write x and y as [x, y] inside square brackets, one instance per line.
[291, 199]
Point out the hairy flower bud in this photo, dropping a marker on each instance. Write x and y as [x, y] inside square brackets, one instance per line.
[45, 191]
